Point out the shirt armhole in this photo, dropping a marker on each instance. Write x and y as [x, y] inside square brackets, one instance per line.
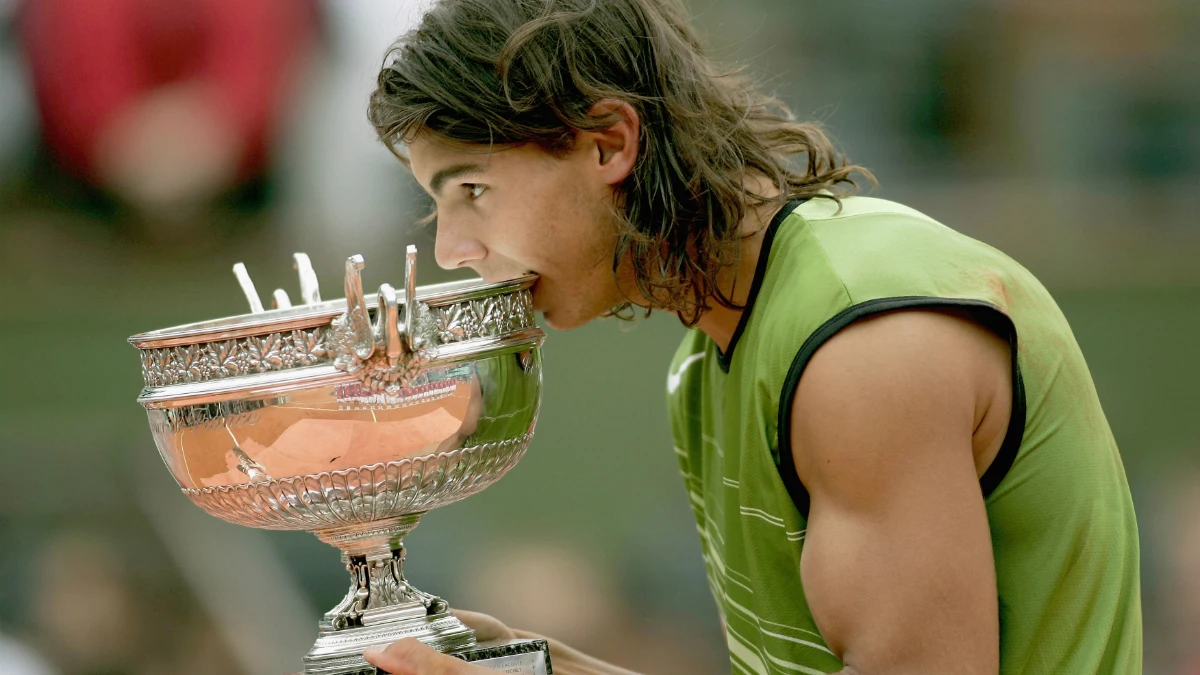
[989, 315]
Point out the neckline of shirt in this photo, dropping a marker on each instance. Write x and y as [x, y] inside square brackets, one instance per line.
[724, 359]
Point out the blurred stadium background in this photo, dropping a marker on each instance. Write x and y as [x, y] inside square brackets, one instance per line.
[147, 145]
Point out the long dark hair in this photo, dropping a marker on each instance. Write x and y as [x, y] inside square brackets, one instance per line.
[502, 72]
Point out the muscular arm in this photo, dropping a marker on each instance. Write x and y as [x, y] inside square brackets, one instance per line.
[897, 563]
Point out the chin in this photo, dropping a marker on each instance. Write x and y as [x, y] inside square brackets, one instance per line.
[569, 312]
[565, 321]
[554, 321]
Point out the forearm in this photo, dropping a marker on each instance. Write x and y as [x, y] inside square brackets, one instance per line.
[571, 661]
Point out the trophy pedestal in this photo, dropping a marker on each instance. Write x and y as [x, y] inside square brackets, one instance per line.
[382, 607]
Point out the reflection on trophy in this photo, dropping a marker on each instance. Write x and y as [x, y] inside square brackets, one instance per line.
[352, 418]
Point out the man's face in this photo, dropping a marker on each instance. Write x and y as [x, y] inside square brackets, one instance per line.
[510, 211]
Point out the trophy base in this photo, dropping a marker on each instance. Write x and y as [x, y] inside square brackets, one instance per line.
[339, 652]
[512, 657]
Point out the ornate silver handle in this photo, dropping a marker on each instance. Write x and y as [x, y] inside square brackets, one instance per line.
[358, 322]
[388, 354]
[411, 307]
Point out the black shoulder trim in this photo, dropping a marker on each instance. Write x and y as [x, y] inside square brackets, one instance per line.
[988, 314]
[760, 270]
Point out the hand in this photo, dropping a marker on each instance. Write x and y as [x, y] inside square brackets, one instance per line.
[487, 627]
[413, 657]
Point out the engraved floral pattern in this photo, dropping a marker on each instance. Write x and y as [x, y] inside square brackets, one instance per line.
[169, 366]
[309, 347]
[483, 318]
[487, 317]
[230, 358]
[454, 323]
[149, 371]
[225, 358]
[520, 312]
[264, 353]
[287, 352]
[492, 314]
[190, 362]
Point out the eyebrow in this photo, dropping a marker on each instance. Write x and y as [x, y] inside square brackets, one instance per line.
[458, 170]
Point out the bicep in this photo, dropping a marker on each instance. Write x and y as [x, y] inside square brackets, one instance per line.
[897, 564]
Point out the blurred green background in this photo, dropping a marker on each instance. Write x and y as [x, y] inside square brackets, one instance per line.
[1066, 133]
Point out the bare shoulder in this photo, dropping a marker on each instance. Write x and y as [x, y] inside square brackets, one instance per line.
[909, 379]
[947, 336]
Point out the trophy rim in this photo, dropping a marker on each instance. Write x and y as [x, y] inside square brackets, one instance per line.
[284, 381]
[319, 314]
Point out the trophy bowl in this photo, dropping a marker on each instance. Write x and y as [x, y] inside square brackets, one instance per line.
[351, 418]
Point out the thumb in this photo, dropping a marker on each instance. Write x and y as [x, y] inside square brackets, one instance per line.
[486, 627]
[412, 657]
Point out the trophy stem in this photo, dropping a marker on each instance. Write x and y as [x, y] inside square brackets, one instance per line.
[374, 556]
[381, 606]
[372, 537]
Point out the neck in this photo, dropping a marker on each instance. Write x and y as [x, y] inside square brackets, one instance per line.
[720, 322]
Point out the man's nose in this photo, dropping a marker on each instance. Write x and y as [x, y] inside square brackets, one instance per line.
[454, 249]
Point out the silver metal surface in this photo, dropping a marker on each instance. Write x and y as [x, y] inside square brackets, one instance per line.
[310, 288]
[243, 279]
[280, 299]
[387, 354]
[410, 291]
[351, 424]
[298, 337]
[437, 296]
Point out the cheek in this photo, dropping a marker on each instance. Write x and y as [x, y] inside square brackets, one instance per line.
[539, 221]
[556, 221]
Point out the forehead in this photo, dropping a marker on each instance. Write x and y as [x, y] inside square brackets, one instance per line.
[428, 154]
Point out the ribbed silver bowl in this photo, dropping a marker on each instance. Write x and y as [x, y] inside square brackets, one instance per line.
[350, 419]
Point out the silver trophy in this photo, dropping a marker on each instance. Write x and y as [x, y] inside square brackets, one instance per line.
[351, 419]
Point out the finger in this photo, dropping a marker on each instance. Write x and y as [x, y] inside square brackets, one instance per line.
[486, 627]
[412, 657]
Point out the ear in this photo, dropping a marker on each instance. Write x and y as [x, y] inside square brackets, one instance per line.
[616, 147]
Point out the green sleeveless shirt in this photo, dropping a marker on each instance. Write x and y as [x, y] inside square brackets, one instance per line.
[1062, 522]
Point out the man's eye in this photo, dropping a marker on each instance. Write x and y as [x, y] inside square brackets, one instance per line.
[475, 190]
